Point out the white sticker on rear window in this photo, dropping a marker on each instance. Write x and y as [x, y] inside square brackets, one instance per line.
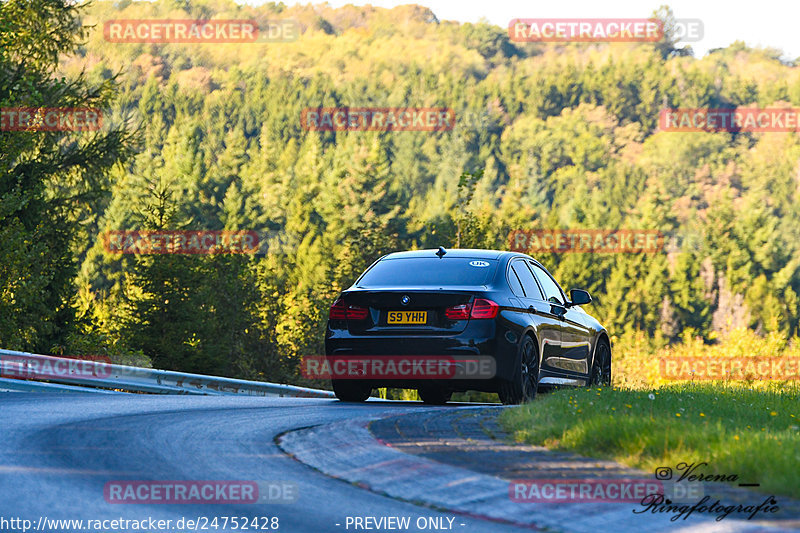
[479, 263]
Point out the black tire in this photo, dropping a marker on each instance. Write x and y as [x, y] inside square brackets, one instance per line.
[350, 390]
[523, 385]
[601, 366]
[434, 395]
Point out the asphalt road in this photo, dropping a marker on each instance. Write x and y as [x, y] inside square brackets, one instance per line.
[59, 451]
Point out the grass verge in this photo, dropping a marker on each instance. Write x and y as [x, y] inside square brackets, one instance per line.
[753, 434]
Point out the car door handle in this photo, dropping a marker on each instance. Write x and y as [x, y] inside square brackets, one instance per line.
[532, 309]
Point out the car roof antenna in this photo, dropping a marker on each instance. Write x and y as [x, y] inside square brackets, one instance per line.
[441, 252]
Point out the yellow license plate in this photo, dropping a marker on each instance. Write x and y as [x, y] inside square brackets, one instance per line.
[407, 317]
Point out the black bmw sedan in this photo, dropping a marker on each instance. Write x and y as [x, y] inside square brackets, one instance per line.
[444, 321]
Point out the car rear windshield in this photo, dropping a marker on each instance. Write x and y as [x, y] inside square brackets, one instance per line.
[427, 271]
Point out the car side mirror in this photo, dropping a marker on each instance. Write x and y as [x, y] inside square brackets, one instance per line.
[579, 297]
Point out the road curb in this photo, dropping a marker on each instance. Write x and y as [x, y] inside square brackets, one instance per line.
[348, 451]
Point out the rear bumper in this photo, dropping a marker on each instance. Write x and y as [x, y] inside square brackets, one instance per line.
[479, 338]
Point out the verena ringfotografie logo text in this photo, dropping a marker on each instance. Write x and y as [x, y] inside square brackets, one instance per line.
[199, 31]
[50, 119]
[730, 120]
[377, 118]
[398, 367]
[181, 242]
[59, 368]
[596, 241]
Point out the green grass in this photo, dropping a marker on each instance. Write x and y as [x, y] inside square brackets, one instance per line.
[750, 433]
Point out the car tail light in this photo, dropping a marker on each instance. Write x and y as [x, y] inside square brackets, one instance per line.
[355, 312]
[341, 311]
[457, 312]
[482, 308]
[338, 311]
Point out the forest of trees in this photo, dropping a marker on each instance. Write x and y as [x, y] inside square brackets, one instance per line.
[209, 136]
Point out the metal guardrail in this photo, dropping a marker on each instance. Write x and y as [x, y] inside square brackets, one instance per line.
[20, 385]
[99, 375]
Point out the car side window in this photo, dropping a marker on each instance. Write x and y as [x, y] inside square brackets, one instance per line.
[513, 282]
[526, 278]
[551, 289]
